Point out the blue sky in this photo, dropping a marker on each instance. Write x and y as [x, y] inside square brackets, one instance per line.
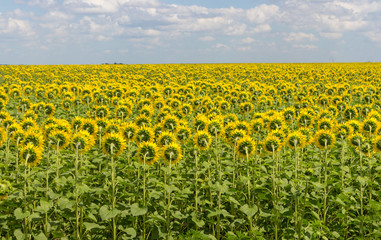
[185, 31]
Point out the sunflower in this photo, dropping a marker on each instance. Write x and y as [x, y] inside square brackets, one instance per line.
[129, 131]
[170, 123]
[76, 123]
[63, 124]
[59, 138]
[122, 112]
[34, 137]
[148, 152]
[8, 121]
[245, 146]
[67, 103]
[343, 131]
[305, 119]
[147, 111]
[183, 134]
[185, 109]
[246, 107]
[296, 140]
[244, 126]
[377, 144]
[272, 144]
[172, 153]
[202, 140]
[83, 141]
[113, 126]
[355, 124]
[49, 109]
[215, 126]
[143, 120]
[30, 154]
[236, 135]
[367, 147]
[113, 144]
[166, 138]
[324, 139]
[3, 136]
[326, 124]
[102, 125]
[200, 122]
[101, 112]
[5, 189]
[350, 113]
[228, 118]
[27, 123]
[144, 134]
[356, 139]
[288, 114]
[369, 126]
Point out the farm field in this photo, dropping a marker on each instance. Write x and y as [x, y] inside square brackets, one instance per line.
[190, 151]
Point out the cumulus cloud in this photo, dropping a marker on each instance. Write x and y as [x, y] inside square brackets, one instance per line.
[300, 36]
[262, 13]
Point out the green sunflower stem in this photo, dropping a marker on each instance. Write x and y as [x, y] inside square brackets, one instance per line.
[195, 185]
[297, 222]
[77, 233]
[144, 194]
[26, 177]
[361, 196]
[275, 194]
[248, 187]
[113, 183]
[325, 207]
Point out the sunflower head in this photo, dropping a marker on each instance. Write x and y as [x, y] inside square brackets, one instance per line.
[113, 144]
[144, 134]
[350, 113]
[377, 144]
[83, 141]
[30, 154]
[326, 124]
[170, 123]
[33, 136]
[59, 138]
[245, 146]
[200, 122]
[215, 126]
[172, 153]
[272, 144]
[143, 120]
[148, 152]
[324, 139]
[129, 131]
[183, 134]
[369, 126]
[166, 138]
[202, 140]
[356, 140]
[296, 140]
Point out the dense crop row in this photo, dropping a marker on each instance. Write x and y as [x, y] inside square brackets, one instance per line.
[225, 151]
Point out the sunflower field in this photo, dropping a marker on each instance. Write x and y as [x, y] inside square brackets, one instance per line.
[190, 151]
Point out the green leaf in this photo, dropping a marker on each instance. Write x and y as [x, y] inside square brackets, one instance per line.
[129, 231]
[18, 234]
[40, 236]
[137, 211]
[249, 211]
[89, 226]
[335, 234]
[106, 213]
[362, 180]
[45, 205]
[64, 203]
[19, 214]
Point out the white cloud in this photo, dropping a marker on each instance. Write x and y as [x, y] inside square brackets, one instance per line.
[300, 36]
[262, 13]
[206, 38]
[247, 40]
[331, 35]
[304, 46]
